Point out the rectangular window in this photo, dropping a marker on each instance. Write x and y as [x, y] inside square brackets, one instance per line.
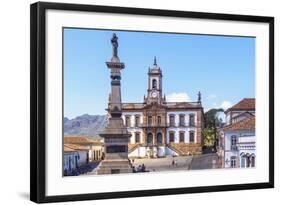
[191, 137]
[172, 120]
[191, 120]
[181, 136]
[149, 120]
[158, 120]
[137, 137]
[233, 142]
[172, 136]
[127, 121]
[233, 162]
[182, 122]
[137, 121]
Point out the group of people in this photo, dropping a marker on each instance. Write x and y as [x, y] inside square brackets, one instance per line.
[140, 168]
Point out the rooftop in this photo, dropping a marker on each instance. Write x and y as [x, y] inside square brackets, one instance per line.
[168, 105]
[75, 147]
[246, 124]
[244, 104]
[80, 140]
[68, 149]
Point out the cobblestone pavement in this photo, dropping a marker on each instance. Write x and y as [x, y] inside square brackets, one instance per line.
[206, 161]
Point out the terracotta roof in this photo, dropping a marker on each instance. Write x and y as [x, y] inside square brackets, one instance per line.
[67, 149]
[244, 104]
[79, 140]
[183, 105]
[246, 124]
[139, 106]
[75, 147]
[246, 113]
[132, 106]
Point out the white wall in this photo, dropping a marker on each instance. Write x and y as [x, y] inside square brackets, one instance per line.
[72, 162]
[177, 131]
[14, 104]
[241, 137]
[186, 116]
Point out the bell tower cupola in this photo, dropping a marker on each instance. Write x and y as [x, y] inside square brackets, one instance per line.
[154, 91]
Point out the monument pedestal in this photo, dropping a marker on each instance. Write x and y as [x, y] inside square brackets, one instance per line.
[116, 140]
[114, 167]
[116, 137]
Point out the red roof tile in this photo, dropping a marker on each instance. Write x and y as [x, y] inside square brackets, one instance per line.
[68, 149]
[246, 124]
[244, 104]
[75, 147]
[80, 140]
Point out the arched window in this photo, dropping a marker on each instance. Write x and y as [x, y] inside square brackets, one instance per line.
[182, 136]
[182, 121]
[159, 138]
[191, 120]
[137, 120]
[248, 160]
[127, 121]
[154, 84]
[172, 120]
[243, 159]
[253, 161]
[149, 139]
[171, 137]
[158, 120]
[149, 120]
[191, 137]
[137, 137]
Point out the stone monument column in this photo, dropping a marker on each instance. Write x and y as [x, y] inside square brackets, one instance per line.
[116, 137]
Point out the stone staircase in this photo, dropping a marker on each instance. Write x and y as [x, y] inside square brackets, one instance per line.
[132, 147]
[183, 148]
[114, 167]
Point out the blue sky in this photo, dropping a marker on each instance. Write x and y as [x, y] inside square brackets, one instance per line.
[221, 67]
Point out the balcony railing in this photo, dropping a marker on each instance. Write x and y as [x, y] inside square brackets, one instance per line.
[181, 124]
[234, 147]
[153, 125]
[162, 125]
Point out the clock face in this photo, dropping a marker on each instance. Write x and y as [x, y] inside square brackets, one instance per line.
[154, 94]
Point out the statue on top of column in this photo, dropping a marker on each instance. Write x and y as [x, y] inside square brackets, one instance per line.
[114, 42]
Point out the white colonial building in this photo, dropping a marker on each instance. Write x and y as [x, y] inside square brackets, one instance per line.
[160, 128]
[237, 138]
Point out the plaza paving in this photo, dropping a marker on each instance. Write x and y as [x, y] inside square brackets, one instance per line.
[206, 161]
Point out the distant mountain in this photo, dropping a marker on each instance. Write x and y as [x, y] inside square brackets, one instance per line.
[88, 125]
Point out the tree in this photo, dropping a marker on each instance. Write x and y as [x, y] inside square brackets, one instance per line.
[212, 119]
[212, 123]
[209, 137]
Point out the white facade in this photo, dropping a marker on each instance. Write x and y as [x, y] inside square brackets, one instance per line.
[242, 150]
[177, 129]
[71, 161]
[133, 129]
[160, 151]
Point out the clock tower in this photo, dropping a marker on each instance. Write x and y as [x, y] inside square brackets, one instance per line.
[154, 91]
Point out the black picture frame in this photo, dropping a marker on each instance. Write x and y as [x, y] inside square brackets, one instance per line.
[38, 100]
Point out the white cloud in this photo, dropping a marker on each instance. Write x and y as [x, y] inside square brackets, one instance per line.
[212, 96]
[178, 97]
[225, 104]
